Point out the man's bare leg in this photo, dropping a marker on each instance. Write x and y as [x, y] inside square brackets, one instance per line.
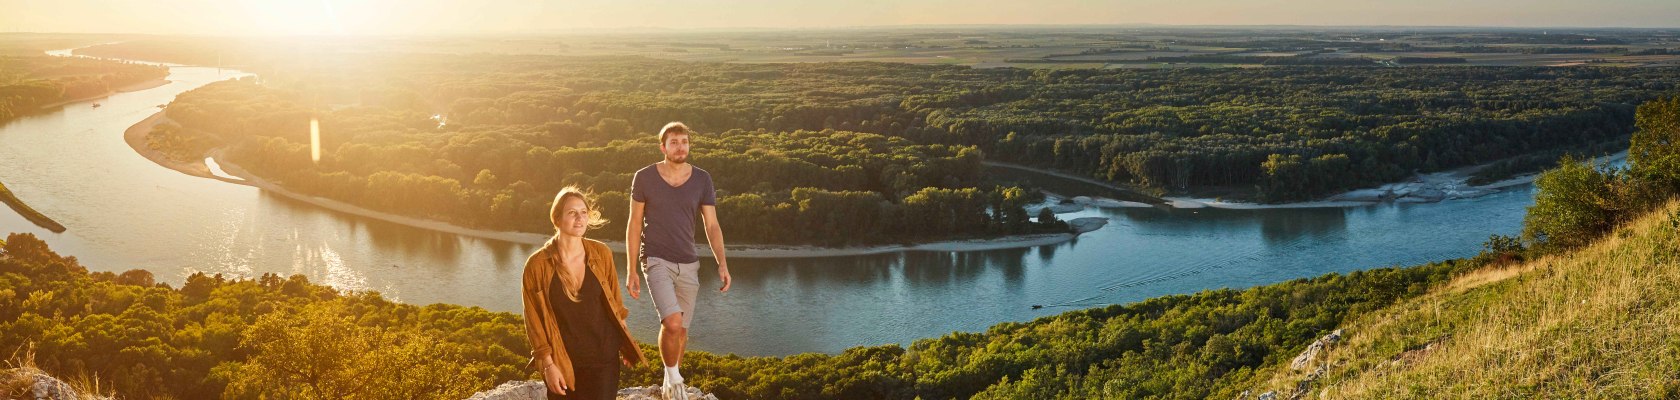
[673, 337]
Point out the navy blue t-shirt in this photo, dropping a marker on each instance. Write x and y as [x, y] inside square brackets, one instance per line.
[670, 212]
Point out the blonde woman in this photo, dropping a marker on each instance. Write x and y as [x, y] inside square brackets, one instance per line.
[574, 312]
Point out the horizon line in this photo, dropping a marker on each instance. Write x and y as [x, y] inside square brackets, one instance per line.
[752, 29]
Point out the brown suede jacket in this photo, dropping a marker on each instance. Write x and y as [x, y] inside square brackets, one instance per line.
[540, 325]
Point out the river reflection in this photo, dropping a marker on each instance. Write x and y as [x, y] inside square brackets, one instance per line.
[124, 212]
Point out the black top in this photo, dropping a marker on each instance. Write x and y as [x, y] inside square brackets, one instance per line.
[586, 326]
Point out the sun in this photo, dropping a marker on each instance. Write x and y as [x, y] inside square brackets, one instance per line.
[287, 18]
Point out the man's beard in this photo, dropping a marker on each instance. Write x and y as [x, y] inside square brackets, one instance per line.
[682, 160]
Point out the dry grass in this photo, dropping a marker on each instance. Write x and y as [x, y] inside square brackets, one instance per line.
[1492, 274]
[18, 378]
[1601, 322]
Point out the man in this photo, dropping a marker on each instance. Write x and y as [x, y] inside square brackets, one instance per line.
[664, 198]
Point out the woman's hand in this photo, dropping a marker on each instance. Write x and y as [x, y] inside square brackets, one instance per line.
[553, 379]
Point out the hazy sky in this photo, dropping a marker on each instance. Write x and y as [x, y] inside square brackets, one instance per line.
[290, 17]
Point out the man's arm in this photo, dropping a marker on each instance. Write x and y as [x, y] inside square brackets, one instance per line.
[714, 237]
[633, 249]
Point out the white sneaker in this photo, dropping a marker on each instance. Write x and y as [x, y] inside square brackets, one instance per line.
[674, 391]
[677, 392]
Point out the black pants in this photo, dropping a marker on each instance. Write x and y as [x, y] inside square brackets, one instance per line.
[594, 382]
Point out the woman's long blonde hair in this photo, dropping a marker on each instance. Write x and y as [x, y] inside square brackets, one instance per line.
[595, 221]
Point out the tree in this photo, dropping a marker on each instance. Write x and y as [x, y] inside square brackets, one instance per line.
[1655, 150]
[1046, 217]
[1285, 177]
[1572, 207]
[320, 353]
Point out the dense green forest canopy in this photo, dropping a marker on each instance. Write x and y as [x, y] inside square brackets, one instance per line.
[1270, 134]
[30, 82]
[825, 187]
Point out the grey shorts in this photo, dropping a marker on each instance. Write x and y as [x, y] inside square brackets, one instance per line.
[673, 286]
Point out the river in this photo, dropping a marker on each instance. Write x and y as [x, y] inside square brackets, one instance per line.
[125, 212]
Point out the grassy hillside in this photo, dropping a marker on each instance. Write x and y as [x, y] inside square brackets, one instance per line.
[1599, 322]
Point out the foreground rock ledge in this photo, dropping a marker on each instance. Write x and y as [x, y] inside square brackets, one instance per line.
[533, 390]
[31, 383]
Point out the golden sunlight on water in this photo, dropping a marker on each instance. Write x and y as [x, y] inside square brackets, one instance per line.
[225, 246]
[322, 261]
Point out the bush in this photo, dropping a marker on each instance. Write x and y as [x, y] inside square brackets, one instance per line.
[1572, 206]
[1655, 152]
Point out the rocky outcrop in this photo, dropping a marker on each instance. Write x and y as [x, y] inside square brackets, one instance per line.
[652, 393]
[534, 390]
[1313, 349]
[512, 390]
[30, 383]
[1304, 385]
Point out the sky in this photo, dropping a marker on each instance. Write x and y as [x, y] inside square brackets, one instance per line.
[405, 17]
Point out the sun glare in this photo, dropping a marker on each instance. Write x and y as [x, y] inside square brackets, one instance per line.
[278, 17]
[315, 140]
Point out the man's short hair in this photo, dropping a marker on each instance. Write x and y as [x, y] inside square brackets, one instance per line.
[673, 128]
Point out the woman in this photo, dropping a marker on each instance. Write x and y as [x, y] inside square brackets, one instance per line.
[574, 314]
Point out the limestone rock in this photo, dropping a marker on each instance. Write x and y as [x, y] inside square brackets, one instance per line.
[652, 393]
[513, 390]
[41, 386]
[534, 390]
[1313, 349]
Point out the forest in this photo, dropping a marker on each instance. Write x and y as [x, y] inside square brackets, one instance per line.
[822, 187]
[1169, 131]
[28, 83]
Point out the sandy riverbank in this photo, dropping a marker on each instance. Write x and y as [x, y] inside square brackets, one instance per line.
[1422, 188]
[1150, 200]
[134, 87]
[135, 136]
